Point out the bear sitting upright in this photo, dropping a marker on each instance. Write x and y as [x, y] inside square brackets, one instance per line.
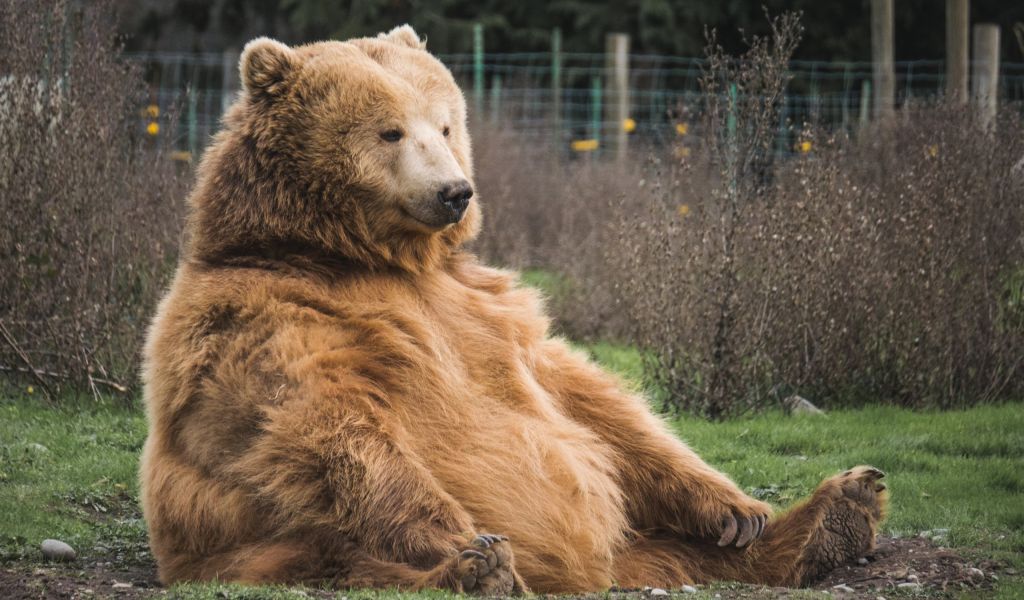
[337, 393]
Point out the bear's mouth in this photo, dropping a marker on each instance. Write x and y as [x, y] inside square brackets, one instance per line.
[441, 222]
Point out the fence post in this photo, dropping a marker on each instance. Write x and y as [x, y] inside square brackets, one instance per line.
[229, 72]
[865, 102]
[595, 109]
[478, 67]
[495, 98]
[193, 131]
[957, 23]
[985, 76]
[616, 67]
[882, 67]
[556, 84]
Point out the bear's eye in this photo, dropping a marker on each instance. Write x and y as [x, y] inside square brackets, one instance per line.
[446, 131]
[391, 135]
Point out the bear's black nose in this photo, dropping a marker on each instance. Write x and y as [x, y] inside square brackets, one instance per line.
[455, 197]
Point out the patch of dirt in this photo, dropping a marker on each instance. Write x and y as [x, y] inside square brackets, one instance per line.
[74, 581]
[937, 571]
[907, 561]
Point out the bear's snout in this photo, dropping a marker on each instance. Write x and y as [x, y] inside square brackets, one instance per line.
[455, 196]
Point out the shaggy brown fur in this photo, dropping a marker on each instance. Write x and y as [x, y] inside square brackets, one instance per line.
[336, 392]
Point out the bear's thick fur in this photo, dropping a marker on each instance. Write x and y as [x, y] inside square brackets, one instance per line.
[336, 392]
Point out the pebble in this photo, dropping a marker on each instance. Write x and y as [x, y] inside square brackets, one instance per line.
[976, 573]
[658, 592]
[862, 561]
[911, 577]
[689, 589]
[909, 585]
[57, 550]
[842, 587]
[121, 586]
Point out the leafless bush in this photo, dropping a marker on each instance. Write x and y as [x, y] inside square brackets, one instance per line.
[887, 266]
[91, 212]
[556, 213]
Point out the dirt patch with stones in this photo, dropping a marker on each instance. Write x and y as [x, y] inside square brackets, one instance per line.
[897, 566]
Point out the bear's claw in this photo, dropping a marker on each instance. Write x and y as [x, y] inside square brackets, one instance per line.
[747, 528]
[486, 568]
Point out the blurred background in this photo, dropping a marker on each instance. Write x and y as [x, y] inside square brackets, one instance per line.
[732, 204]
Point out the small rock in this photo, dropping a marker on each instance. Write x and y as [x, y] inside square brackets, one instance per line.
[39, 448]
[927, 533]
[57, 550]
[797, 405]
[842, 587]
[909, 585]
[688, 589]
[879, 597]
[121, 586]
[911, 577]
[862, 561]
[975, 573]
[658, 592]
[1010, 571]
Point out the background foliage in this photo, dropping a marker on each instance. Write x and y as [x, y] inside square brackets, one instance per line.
[839, 30]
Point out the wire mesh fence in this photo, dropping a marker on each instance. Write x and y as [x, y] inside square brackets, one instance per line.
[560, 97]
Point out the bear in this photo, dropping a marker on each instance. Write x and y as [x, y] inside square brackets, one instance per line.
[339, 393]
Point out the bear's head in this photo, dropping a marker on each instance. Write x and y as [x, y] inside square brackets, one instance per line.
[356, 149]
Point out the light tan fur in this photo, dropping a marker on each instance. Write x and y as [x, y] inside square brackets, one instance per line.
[337, 392]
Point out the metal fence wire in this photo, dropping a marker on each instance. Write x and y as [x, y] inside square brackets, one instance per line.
[558, 98]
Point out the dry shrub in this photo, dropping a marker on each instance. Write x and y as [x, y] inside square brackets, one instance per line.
[883, 267]
[91, 211]
[557, 213]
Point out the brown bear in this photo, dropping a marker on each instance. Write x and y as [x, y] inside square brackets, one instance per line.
[338, 393]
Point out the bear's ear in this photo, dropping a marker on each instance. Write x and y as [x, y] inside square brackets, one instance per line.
[404, 35]
[265, 66]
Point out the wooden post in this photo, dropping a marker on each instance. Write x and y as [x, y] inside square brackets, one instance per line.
[957, 24]
[556, 84]
[228, 78]
[595, 109]
[865, 102]
[616, 79]
[478, 67]
[495, 98]
[883, 71]
[985, 75]
[193, 131]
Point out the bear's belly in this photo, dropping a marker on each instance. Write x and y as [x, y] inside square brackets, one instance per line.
[539, 478]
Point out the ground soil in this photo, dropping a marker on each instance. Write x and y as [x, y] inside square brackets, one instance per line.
[938, 571]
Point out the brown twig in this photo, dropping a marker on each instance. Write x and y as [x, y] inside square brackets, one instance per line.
[28, 363]
[118, 387]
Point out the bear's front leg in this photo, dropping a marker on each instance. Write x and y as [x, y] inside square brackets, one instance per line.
[667, 486]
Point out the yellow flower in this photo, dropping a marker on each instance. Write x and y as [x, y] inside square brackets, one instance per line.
[152, 111]
[629, 125]
[153, 128]
[682, 128]
[683, 210]
[584, 145]
[804, 147]
[932, 150]
[30, 389]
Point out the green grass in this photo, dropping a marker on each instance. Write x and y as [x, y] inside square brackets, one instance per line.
[70, 473]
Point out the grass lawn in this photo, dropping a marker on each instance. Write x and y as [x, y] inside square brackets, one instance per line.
[70, 474]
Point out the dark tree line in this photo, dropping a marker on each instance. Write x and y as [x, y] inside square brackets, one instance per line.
[835, 30]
